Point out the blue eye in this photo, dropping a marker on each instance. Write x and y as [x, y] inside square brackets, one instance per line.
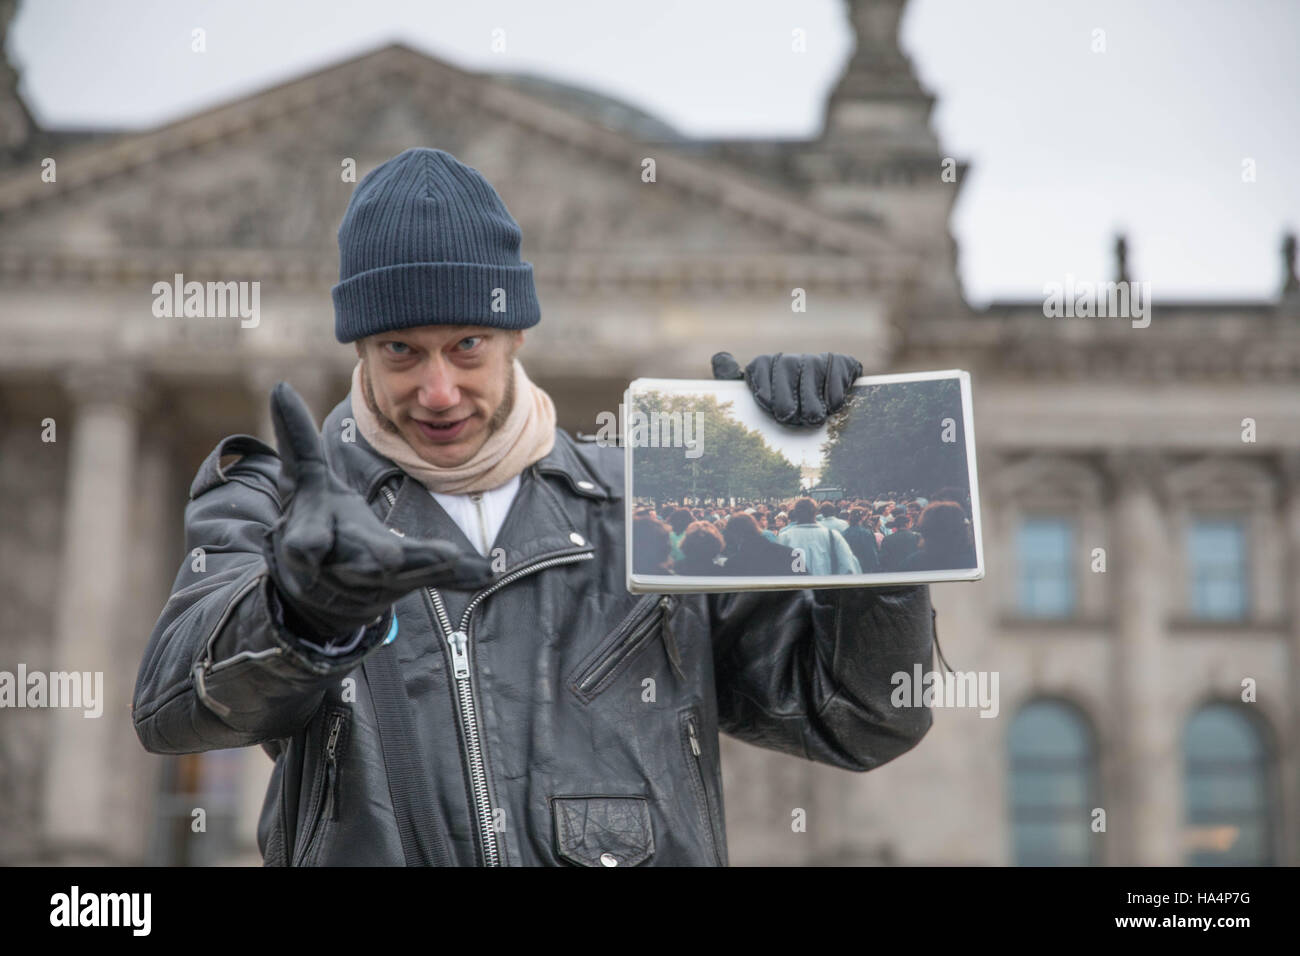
[396, 347]
[472, 338]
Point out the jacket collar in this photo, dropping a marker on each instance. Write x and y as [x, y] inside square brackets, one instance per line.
[542, 520]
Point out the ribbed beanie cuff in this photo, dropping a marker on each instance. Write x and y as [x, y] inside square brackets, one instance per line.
[435, 293]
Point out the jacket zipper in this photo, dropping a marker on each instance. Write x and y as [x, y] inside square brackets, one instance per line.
[696, 751]
[630, 644]
[670, 641]
[332, 769]
[458, 643]
[329, 796]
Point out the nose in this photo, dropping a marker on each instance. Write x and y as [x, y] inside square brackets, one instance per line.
[438, 390]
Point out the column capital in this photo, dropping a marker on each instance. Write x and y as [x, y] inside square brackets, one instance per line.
[106, 384]
[991, 459]
[1135, 469]
[261, 378]
[310, 382]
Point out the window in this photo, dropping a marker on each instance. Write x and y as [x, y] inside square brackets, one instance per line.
[1052, 786]
[1216, 558]
[1045, 554]
[1226, 789]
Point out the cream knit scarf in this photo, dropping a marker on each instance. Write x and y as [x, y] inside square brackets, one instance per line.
[527, 436]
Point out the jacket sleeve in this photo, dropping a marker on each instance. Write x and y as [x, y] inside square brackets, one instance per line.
[222, 668]
[809, 672]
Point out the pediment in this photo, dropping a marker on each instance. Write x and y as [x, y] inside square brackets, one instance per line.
[264, 173]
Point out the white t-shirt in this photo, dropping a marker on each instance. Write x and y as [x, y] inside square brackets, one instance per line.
[480, 515]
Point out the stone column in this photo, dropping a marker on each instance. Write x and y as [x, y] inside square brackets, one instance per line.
[1144, 812]
[104, 430]
[1288, 814]
[155, 546]
[313, 384]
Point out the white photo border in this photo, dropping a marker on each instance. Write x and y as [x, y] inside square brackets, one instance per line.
[673, 583]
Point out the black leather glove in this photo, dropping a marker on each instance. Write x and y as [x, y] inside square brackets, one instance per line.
[796, 390]
[334, 564]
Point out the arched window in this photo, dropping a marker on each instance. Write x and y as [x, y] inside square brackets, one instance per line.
[1227, 771]
[1053, 786]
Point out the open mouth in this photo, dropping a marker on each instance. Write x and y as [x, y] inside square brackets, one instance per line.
[441, 433]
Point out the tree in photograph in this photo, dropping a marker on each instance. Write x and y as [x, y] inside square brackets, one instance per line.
[734, 461]
[897, 437]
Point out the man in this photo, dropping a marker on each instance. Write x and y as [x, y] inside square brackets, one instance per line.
[750, 554]
[827, 517]
[420, 612]
[901, 543]
[824, 549]
[862, 541]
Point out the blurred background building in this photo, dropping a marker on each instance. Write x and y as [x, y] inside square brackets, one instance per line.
[1120, 689]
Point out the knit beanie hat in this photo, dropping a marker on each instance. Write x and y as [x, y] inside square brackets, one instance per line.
[426, 240]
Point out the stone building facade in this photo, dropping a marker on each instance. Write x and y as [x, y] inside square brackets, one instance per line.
[1121, 689]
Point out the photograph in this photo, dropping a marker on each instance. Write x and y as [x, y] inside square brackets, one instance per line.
[723, 498]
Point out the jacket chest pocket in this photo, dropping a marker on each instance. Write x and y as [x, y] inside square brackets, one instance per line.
[325, 786]
[647, 623]
[600, 830]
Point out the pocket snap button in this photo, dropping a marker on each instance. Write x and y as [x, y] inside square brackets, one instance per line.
[586, 485]
[609, 859]
[576, 538]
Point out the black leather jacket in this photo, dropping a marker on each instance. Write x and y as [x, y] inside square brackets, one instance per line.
[584, 729]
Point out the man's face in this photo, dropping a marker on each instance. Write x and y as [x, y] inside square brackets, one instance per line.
[444, 388]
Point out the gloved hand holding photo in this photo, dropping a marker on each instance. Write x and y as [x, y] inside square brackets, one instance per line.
[797, 390]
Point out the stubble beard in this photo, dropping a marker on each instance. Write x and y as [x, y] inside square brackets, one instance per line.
[497, 420]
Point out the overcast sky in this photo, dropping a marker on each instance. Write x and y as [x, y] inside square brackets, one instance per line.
[1066, 145]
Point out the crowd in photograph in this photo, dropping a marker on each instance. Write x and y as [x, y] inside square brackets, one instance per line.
[803, 536]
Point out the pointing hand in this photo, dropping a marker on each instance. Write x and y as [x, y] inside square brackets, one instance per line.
[333, 562]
